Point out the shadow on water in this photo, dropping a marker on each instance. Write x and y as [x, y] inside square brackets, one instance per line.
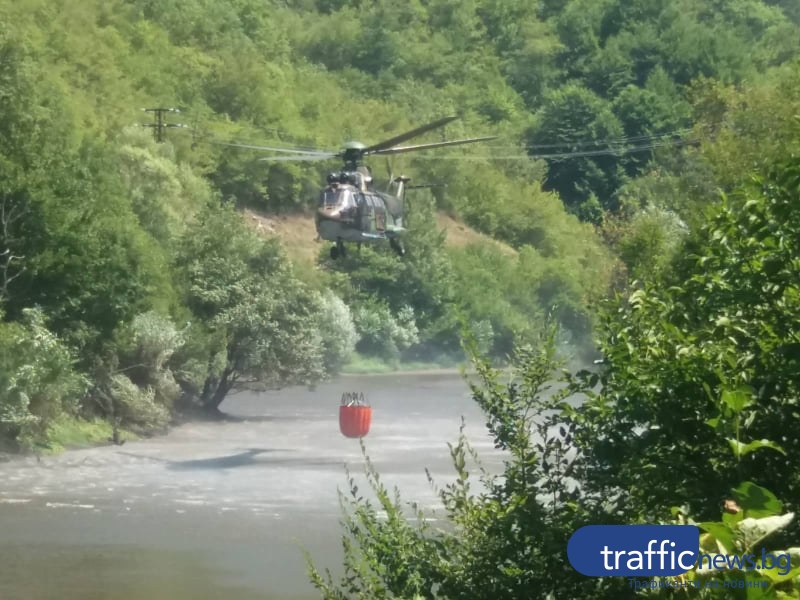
[245, 418]
[233, 461]
[229, 461]
[247, 458]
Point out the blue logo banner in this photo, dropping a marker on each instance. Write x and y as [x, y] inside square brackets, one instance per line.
[634, 550]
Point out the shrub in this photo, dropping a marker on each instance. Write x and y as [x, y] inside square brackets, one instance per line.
[146, 346]
[382, 333]
[38, 381]
[338, 332]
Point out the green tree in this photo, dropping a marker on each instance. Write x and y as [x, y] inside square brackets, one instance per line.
[717, 327]
[337, 330]
[261, 319]
[573, 119]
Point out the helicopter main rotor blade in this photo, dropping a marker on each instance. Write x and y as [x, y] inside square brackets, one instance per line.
[401, 149]
[275, 149]
[408, 135]
[306, 157]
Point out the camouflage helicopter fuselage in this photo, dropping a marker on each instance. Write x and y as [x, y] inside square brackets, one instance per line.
[350, 211]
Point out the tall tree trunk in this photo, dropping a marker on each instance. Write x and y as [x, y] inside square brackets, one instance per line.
[212, 399]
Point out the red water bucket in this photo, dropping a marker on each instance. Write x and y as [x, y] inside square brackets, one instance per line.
[354, 421]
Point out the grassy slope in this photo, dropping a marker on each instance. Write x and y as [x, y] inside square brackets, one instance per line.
[298, 235]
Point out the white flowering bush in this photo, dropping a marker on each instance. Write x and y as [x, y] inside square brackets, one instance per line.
[134, 405]
[156, 339]
[404, 328]
[483, 333]
[145, 348]
[338, 331]
[383, 334]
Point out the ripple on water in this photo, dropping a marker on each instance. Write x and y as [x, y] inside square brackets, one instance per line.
[68, 505]
[191, 502]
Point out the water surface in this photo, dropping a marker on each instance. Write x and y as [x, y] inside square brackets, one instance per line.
[222, 509]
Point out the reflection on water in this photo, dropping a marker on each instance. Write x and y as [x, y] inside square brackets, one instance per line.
[118, 572]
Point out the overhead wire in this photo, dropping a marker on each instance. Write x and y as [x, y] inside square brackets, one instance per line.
[600, 142]
[602, 147]
[577, 154]
[208, 138]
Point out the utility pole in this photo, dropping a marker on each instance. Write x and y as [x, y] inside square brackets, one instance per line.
[159, 125]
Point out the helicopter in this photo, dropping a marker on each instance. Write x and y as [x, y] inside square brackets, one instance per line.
[350, 208]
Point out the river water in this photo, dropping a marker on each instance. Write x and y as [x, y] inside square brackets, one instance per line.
[223, 509]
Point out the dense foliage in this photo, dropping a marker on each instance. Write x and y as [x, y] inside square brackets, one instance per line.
[99, 224]
[721, 325]
[694, 409]
[696, 403]
[130, 284]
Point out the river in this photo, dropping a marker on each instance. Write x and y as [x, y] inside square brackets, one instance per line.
[222, 509]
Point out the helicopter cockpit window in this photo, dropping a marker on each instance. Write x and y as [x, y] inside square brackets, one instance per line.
[345, 199]
[336, 198]
[327, 199]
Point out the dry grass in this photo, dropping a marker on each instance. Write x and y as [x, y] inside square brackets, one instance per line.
[298, 234]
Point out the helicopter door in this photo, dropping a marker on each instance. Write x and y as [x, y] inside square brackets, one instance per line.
[367, 213]
[380, 214]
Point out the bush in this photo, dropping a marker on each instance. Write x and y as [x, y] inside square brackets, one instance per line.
[382, 333]
[338, 332]
[650, 241]
[38, 382]
[146, 346]
[500, 543]
[136, 406]
[722, 322]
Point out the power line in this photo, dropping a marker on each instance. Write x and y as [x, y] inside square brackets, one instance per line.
[572, 145]
[602, 142]
[159, 125]
[592, 148]
[569, 155]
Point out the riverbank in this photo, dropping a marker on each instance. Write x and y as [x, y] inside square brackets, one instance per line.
[70, 433]
[371, 365]
[73, 433]
[230, 504]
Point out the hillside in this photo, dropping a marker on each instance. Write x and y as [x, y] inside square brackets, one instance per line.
[634, 194]
[298, 235]
[616, 124]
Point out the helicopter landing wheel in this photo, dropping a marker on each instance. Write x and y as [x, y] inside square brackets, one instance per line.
[397, 246]
[338, 251]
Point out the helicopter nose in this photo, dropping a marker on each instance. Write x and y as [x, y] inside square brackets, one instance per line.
[327, 213]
